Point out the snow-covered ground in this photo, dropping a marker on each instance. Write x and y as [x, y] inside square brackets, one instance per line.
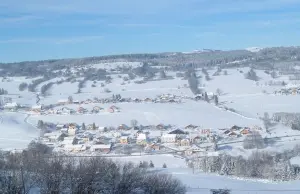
[202, 183]
[15, 132]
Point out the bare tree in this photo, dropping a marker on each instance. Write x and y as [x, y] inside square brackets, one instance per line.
[134, 122]
[219, 92]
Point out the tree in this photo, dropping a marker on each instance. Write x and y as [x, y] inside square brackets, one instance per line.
[252, 75]
[266, 120]
[273, 74]
[254, 140]
[23, 86]
[70, 99]
[83, 126]
[40, 124]
[134, 122]
[162, 74]
[219, 92]
[151, 165]
[206, 97]
[94, 126]
[216, 99]
[193, 83]
[164, 165]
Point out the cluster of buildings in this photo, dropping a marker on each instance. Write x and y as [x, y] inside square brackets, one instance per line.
[75, 138]
[236, 131]
[289, 91]
[79, 110]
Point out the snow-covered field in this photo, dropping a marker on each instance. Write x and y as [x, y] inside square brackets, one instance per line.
[250, 99]
[202, 183]
[15, 132]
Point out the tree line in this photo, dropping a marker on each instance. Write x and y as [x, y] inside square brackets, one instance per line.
[34, 170]
[260, 164]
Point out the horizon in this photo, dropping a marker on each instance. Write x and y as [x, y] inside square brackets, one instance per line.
[58, 30]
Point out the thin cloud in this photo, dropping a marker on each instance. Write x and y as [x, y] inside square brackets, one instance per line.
[18, 19]
[51, 40]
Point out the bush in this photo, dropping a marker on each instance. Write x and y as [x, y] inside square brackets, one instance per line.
[23, 86]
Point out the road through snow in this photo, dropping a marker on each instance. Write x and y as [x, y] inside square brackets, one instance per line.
[15, 132]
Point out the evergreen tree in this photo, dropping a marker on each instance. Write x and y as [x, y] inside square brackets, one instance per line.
[164, 165]
[206, 97]
[151, 165]
[94, 126]
[216, 99]
[40, 124]
[83, 126]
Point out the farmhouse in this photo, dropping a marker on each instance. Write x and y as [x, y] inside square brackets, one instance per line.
[101, 148]
[168, 138]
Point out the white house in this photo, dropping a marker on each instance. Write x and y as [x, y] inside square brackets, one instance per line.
[141, 138]
[168, 138]
[12, 105]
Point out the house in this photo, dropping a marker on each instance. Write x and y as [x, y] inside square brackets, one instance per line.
[141, 139]
[147, 100]
[233, 134]
[235, 128]
[198, 97]
[245, 131]
[66, 110]
[178, 132]
[63, 101]
[101, 148]
[36, 108]
[97, 109]
[82, 110]
[123, 127]
[154, 147]
[54, 136]
[199, 139]
[67, 141]
[11, 106]
[60, 126]
[72, 129]
[75, 148]
[227, 132]
[168, 138]
[191, 126]
[110, 110]
[124, 140]
[115, 108]
[209, 146]
[160, 126]
[76, 102]
[185, 142]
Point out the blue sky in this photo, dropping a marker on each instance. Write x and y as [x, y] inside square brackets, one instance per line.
[44, 29]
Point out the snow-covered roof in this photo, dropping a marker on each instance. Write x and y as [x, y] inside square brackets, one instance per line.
[12, 104]
[100, 146]
[169, 135]
[295, 160]
[36, 106]
[63, 100]
[141, 136]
